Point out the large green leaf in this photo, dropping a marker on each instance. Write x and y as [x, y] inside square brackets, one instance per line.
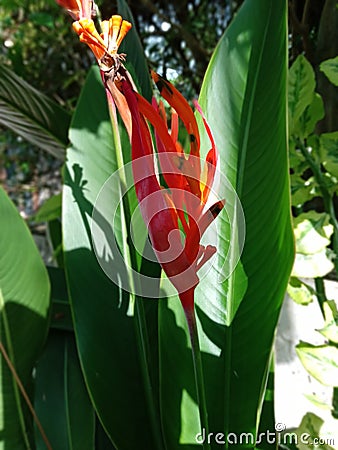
[24, 293]
[61, 398]
[108, 326]
[32, 115]
[244, 99]
[301, 89]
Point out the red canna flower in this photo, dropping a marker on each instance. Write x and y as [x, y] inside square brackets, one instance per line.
[181, 207]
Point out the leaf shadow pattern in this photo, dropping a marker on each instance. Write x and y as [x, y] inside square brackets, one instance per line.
[113, 372]
[86, 209]
[105, 330]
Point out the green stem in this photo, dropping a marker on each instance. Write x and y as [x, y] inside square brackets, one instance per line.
[320, 292]
[130, 252]
[144, 350]
[198, 370]
[227, 380]
[335, 403]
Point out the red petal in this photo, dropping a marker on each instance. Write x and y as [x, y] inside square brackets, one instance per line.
[211, 159]
[179, 103]
[166, 146]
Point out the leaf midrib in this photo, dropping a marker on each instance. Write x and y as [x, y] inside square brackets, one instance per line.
[241, 164]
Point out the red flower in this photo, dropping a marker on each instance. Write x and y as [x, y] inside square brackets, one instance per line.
[78, 9]
[181, 207]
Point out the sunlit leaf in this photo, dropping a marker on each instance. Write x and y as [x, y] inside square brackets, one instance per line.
[330, 68]
[313, 265]
[320, 361]
[308, 120]
[329, 149]
[309, 434]
[300, 292]
[330, 329]
[312, 232]
[301, 89]
[301, 190]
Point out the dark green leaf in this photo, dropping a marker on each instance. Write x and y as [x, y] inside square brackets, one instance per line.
[329, 150]
[61, 398]
[308, 120]
[24, 294]
[301, 90]
[330, 68]
[50, 210]
[61, 316]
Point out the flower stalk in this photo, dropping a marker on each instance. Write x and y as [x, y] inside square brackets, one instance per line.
[198, 368]
[178, 214]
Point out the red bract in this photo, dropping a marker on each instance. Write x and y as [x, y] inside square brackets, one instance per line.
[181, 207]
[78, 9]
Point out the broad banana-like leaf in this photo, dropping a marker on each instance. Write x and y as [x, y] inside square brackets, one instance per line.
[32, 115]
[244, 99]
[24, 307]
[61, 397]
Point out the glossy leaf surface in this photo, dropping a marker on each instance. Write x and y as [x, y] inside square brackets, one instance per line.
[244, 99]
[61, 398]
[24, 293]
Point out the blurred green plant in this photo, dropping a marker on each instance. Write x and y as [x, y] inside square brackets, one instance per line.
[314, 188]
